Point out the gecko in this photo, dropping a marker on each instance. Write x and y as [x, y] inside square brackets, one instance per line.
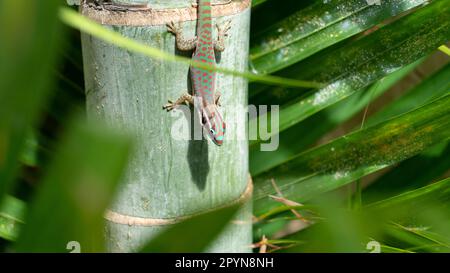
[204, 98]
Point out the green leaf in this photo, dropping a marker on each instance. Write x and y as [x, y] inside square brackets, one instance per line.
[410, 174]
[420, 210]
[192, 235]
[321, 123]
[417, 171]
[317, 27]
[390, 249]
[72, 198]
[429, 193]
[27, 57]
[431, 236]
[430, 88]
[257, 2]
[29, 152]
[414, 239]
[445, 49]
[352, 156]
[338, 230]
[12, 214]
[358, 64]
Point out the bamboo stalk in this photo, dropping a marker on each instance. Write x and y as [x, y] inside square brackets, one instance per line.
[170, 179]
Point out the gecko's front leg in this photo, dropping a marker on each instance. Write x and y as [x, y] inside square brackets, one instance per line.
[183, 99]
[222, 33]
[182, 43]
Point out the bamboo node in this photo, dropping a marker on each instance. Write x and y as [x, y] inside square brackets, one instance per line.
[154, 17]
[129, 220]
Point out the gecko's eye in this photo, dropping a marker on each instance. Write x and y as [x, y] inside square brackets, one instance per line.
[212, 131]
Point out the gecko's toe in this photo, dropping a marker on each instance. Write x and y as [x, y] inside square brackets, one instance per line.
[169, 106]
[227, 25]
[223, 30]
[171, 27]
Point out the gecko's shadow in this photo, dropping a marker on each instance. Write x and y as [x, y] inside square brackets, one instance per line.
[197, 155]
[198, 162]
[218, 57]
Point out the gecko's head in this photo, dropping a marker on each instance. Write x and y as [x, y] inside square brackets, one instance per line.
[215, 127]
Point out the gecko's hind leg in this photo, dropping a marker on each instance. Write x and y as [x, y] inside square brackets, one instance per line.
[222, 32]
[182, 43]
[183, 99]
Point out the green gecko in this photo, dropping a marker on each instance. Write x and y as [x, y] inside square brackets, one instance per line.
[205, 98]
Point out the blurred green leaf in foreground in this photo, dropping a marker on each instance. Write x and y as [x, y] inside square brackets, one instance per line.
[70, 203]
